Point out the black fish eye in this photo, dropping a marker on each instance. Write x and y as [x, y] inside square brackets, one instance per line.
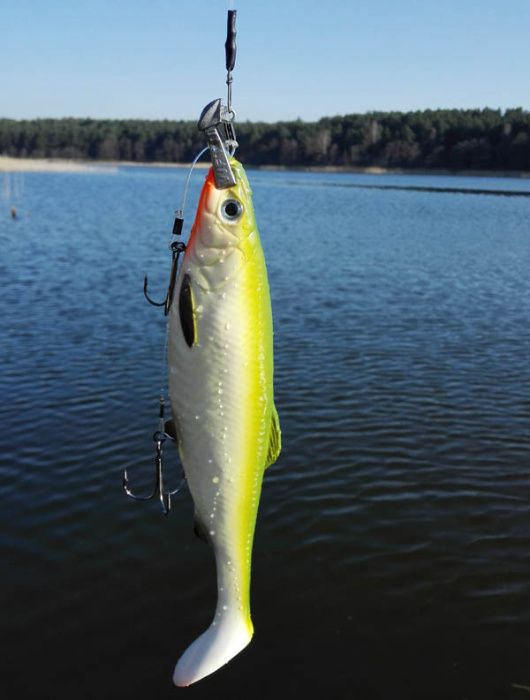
[232, 209]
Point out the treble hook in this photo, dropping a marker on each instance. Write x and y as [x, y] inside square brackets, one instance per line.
[177, 247]
[159, 437]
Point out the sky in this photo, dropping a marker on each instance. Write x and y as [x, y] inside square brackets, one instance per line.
[164, 59]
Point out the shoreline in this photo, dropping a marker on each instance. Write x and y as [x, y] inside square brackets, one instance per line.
[51, 165]
[9, 164]
[377, 170]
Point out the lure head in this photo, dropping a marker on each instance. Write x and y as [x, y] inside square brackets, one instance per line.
[225, 217]
[224, 236]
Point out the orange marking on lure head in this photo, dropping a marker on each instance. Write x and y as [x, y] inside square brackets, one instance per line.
[202, 206]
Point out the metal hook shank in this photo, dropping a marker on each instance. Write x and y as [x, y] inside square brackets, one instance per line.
[177, 247]
[151, 301]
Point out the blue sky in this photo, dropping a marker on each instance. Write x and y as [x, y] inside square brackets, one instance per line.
[164, 59]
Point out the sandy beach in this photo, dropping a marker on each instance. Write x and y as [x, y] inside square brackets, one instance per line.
[57, 165]
[45, 165]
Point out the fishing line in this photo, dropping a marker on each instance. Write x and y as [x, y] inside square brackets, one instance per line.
[216, 121]
[186, 186]
[231, 144]
[179, 217]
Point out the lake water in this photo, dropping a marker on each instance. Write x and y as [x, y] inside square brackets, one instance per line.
[392, 553]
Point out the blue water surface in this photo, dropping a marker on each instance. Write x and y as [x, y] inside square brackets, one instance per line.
[392, 554]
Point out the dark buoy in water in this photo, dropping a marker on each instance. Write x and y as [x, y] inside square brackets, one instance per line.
[13, 212]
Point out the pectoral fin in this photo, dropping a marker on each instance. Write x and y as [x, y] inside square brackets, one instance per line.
[275, 439]
[187, 312]
[169, 429]
[200, 530]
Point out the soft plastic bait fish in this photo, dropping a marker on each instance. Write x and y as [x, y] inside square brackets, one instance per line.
[221, 389]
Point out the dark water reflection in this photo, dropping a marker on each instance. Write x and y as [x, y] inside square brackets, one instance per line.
[392, 558]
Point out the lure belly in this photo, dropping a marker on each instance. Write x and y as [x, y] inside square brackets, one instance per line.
[221, 387]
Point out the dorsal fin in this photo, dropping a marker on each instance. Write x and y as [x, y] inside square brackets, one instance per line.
[275, 439]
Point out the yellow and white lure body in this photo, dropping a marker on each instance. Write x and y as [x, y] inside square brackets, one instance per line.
[221, 388]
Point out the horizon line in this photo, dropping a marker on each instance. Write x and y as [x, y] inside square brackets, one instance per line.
[501, 110]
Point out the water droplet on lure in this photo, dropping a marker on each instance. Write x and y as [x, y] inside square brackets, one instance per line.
[215, 479]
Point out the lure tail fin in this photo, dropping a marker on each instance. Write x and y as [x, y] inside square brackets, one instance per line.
[228, 634]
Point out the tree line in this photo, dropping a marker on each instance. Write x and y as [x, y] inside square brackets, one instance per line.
[478, 139]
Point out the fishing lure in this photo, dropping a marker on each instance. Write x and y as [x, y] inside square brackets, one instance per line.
[221, 388]
[220, 356]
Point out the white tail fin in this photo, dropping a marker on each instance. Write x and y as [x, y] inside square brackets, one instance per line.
[225, 637]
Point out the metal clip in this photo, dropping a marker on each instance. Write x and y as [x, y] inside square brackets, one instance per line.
[216, 122]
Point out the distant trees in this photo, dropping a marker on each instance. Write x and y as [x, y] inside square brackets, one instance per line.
[445, 138]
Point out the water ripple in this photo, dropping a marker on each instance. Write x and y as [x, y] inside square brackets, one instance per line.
[394, 529]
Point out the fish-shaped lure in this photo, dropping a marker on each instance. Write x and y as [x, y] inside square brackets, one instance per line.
[221, 388]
